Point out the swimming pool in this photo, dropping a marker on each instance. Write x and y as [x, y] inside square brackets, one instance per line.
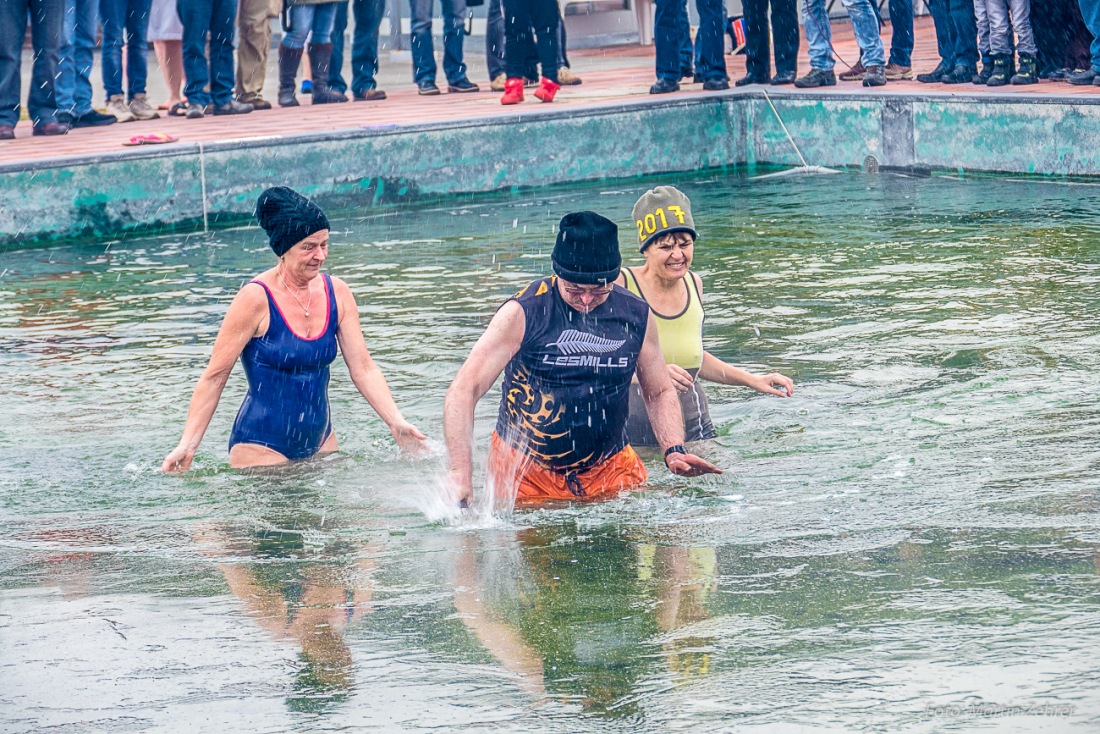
[909, 544]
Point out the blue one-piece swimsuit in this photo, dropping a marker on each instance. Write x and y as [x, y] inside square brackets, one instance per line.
[286, 408]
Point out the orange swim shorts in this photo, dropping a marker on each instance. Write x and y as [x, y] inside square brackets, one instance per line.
[510, 468]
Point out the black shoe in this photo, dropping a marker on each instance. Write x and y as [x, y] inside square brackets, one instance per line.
[91, 118]
[232, 107]
[716, 85]
[427, 88]
[369, 95]
[1058, 75]
[1028, 73]
[51, 128]
[750, 79]
[962, 73]
[982, 77]
[816, 78]
[7, 132]
[462, 86]
[1082, 78]
[1001, 73]
[783, 77]
[936, 75]
[664, 86]
[874, 76]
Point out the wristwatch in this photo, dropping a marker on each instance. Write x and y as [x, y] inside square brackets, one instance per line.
[677, 449]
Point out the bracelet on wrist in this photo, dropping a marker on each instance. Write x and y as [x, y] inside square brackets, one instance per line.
[677, 449]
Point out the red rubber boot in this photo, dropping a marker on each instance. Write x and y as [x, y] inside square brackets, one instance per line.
[547, 89]
[513, 91]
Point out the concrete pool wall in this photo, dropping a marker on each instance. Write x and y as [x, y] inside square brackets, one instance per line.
[192, 186]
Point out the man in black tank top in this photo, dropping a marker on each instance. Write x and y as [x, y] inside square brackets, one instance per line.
[568, 346]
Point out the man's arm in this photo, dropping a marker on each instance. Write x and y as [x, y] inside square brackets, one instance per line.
[664, 408]
[488, 358]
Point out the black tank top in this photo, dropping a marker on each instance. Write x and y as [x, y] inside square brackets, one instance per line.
[566, 391]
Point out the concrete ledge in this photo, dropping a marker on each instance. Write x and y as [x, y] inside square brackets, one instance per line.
[191, 186]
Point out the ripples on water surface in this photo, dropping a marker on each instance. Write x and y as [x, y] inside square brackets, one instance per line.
[909, 544]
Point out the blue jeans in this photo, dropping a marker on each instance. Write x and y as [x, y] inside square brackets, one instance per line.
[312, 21]
[46, 20]
[454, 22]
[710, 39]
[956, 31]
[1090, 11]
[216, 19]
[78, 38]
[133, 17]
[819, 33]
[364, 46]
[901, 39]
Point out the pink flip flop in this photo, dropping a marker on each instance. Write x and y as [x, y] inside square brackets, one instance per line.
[154, 139]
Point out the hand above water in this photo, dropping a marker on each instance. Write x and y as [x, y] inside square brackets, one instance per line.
[178, 461]
[689, 465]
[774, 384]
[409, 439]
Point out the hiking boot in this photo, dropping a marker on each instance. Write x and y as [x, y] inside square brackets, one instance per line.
[117, 108]
[961, 73]
[547, 89]
[1000, 75]
[897, 72]
[320, 58]
[369, 95]
[196, 111]
[92, 118]
[427, 88]
[665, 86]
[289, 61]
[816, 78]
[875, 76]
[566, 77]
[141, 109]
[497, 84]
[936, 75]
[982, 77]
[1028, 73]
[513, 91]
[1082, 78]
[232, 107]
[854, 74]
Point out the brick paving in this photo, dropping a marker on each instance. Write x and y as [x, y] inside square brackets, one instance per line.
[620, 74]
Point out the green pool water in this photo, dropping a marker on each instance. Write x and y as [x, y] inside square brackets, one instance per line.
[911, 543]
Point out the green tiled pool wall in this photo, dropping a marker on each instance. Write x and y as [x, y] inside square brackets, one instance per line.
[191, 186]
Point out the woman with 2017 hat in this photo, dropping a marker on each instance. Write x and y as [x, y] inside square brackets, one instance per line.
[666, 236]
[285, 326]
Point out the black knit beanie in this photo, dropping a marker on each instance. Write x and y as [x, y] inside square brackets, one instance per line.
[587, 250]
[288, 217]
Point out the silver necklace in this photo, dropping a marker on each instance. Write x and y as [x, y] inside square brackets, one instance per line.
[309, 299]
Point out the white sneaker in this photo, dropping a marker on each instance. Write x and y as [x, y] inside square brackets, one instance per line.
[117, 107]
[141, 109]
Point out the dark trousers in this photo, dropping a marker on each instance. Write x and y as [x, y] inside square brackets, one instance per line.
[46, 18]
[901, 38]
[956, 31]
[215, 19]
[521, 17]
[710, 38]
[1061, 36]
[784, 31]
[364, 46]
[132, 18]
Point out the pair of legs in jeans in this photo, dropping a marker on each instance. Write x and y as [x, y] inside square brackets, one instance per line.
[819, 35]
[204, 20]
[423, 53]
[783, 32]
[364, 46]
[125, 22]
[78, 40]
[956, 34]
[46, 21]
[668, 39]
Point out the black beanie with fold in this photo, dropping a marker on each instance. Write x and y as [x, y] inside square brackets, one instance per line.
[587, 250]
[288, 217]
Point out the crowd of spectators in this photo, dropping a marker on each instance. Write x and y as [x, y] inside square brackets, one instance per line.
[213, 54]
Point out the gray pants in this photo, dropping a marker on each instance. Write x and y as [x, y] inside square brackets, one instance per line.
[983, 26]
[1000, 38]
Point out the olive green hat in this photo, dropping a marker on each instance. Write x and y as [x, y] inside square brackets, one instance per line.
[660, 211]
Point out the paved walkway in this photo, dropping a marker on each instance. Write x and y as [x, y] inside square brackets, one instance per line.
[611, 75]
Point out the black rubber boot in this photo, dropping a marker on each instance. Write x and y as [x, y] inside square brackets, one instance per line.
[1001, 71]
[289, 61]
[1029, 70]
[983, 76]
[320, 56]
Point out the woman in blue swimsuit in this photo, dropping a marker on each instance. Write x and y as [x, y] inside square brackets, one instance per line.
[285, 326]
